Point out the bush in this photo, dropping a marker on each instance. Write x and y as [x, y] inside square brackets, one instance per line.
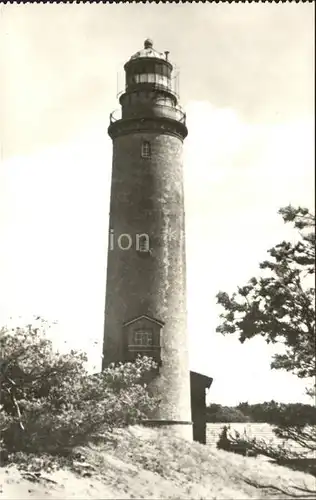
[223, 441]
[49, 402]
[236, 443]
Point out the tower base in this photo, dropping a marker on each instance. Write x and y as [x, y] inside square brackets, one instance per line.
[176, 428]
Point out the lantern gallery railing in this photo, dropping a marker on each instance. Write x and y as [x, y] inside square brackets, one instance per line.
[115, 115]
[155, 110]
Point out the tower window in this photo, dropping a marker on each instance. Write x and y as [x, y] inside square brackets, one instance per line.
[143, 338]
[142, 242]
[146, 150]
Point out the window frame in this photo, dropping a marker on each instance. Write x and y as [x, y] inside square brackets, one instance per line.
[146, 150]
[143, 245]
[140, 335]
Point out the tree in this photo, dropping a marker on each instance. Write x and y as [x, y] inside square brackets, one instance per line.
[219, 413]
[50, 403]
[275, 413]
[280, 306]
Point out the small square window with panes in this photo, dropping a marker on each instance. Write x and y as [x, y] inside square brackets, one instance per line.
[143, 338]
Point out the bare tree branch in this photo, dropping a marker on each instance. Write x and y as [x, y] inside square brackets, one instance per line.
[309, 493]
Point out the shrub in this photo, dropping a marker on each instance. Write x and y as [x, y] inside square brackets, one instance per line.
[223, 441]
[235, 443]
[49, 402]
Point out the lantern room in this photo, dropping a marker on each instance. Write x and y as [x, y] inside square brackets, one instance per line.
[150, 92]
[148, 66]
[148, 69]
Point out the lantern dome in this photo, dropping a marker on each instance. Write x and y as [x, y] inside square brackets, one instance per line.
[149, 51]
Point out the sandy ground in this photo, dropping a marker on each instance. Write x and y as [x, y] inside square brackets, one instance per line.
[131, 484]
[149, 466]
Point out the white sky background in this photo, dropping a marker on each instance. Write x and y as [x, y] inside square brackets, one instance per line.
[247, 84]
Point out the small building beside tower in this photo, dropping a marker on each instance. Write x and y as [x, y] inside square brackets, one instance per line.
[145, 310]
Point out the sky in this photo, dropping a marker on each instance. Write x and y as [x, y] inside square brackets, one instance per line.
[247, 85]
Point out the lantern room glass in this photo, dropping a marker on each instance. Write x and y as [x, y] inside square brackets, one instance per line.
[149, 72]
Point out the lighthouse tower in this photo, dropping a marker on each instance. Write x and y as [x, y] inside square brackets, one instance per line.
[145, 310]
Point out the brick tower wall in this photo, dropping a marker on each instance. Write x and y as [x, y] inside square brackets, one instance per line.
[147, 197]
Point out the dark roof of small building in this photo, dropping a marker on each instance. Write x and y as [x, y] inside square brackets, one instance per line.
[207, 381]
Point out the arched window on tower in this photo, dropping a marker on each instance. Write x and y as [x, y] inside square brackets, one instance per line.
[146, 150]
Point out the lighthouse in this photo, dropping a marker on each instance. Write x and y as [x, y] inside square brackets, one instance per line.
[145, 307]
